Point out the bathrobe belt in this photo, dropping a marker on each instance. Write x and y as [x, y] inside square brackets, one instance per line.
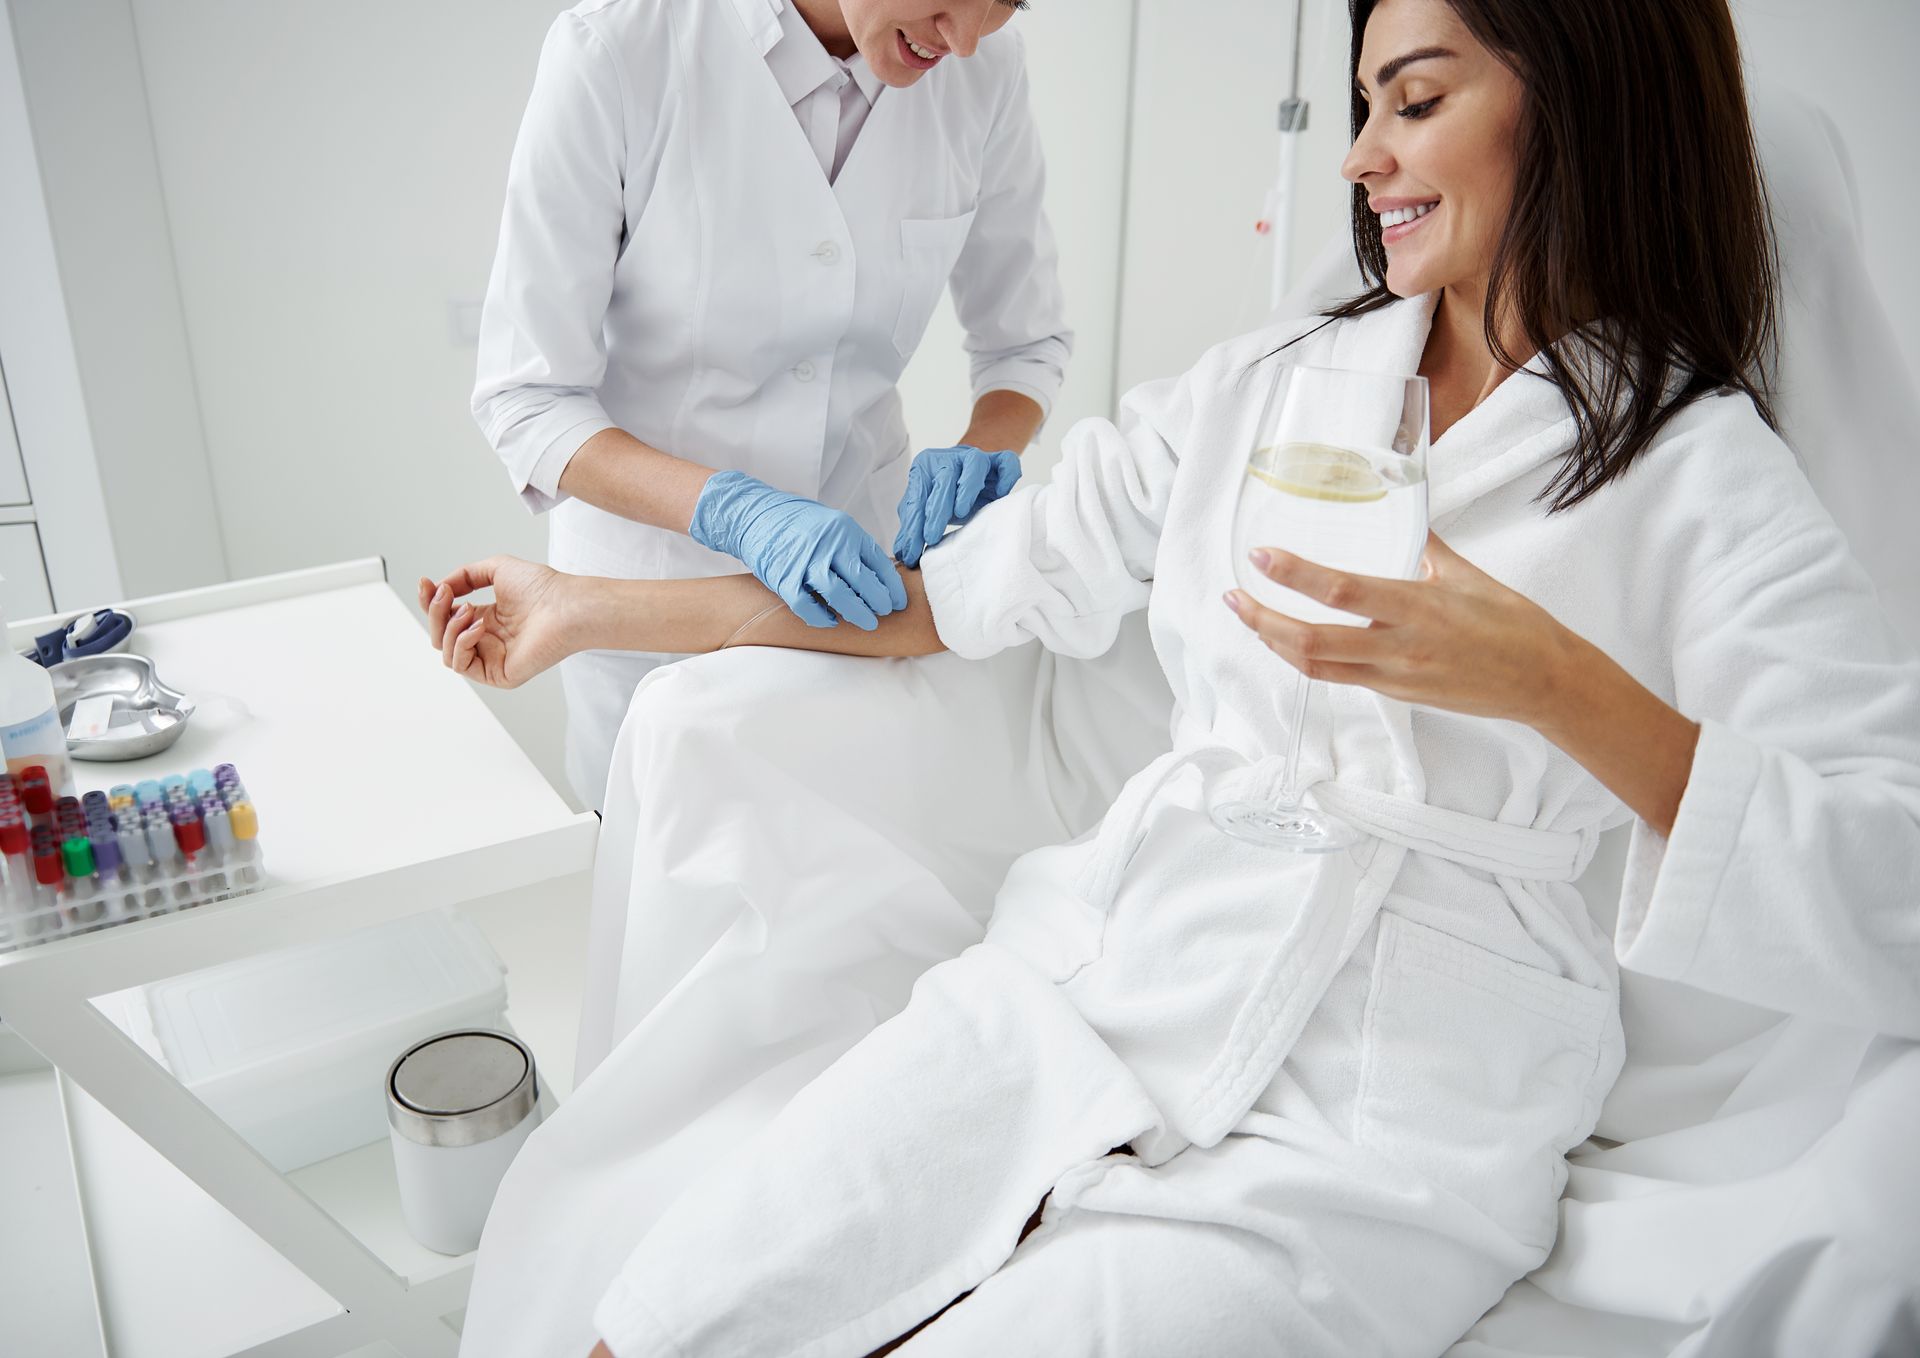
[1516, 851]
[1203, 1099]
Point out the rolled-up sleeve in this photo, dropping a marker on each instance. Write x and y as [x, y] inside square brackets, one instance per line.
[1006, 283]
[1791, 878]
[543, 349]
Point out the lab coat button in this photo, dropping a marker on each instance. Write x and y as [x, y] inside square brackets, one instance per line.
[803, 370]
[826, 252]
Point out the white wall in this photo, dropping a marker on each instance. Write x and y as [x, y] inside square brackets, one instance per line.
[334, 172]
[1209, 78]
[1854, 58]
[1204, 148]
[81, 67]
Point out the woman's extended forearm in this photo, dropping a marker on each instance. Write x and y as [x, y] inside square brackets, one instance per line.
[692, 617]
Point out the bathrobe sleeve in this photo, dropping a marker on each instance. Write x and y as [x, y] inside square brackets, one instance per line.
[1791, 879]
[542, 353]
[1064, 562]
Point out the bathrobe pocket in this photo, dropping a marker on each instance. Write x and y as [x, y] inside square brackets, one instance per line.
[1481, 1073]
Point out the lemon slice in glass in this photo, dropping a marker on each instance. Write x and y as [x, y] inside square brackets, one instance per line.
[1319, 471]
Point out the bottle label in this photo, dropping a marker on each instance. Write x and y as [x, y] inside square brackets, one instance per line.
[39, 740]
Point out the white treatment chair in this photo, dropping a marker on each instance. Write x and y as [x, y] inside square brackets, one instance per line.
[791, 839]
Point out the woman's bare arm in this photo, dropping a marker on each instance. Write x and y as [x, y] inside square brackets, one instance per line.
[539, 616]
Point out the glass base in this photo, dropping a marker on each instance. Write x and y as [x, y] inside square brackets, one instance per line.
[1296, 829]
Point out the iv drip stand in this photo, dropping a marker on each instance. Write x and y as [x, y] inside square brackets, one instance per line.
[1276, 219]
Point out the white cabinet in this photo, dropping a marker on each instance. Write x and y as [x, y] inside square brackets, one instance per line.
[23, 592]
[385, 788]
[13, 472]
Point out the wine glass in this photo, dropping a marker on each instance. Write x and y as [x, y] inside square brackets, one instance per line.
[1337, 474]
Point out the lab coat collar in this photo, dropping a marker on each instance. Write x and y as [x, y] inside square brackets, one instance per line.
[800, 64]
[761, 19]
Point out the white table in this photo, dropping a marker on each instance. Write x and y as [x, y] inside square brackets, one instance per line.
[385, 787]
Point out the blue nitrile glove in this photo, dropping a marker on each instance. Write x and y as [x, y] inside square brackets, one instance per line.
[948, 485]
[817, 559]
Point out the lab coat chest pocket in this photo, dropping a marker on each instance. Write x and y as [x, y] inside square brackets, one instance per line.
[1480, 1073]
[929, 247]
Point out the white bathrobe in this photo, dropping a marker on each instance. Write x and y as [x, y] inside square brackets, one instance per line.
[1352, 1080]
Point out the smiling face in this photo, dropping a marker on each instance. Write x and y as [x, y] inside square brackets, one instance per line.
[904, 39]
[1436, 155]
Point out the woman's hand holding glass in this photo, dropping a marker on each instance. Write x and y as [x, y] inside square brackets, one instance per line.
[1452, 638]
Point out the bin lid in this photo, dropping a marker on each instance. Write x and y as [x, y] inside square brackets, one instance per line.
[461, 1088]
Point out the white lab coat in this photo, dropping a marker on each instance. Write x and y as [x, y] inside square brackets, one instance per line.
[673, 262]
[1410, 1037]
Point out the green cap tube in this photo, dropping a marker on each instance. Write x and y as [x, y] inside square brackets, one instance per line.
[79, 855]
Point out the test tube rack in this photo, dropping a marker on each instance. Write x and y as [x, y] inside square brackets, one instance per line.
[71, 866]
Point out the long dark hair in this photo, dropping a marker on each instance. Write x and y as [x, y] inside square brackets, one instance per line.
[1639, 217]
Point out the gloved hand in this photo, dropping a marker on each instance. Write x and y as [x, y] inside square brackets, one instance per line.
[947, 485]
[817, 559]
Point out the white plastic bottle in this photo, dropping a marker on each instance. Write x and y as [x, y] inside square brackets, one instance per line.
[30, 730]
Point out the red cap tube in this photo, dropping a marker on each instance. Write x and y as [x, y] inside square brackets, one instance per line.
[191, 834]
[47, 867]
[35, 791]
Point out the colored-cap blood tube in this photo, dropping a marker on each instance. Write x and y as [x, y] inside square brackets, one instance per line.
[160, 844]
[82, 894]
[189, 830]
[36, 792]
[106, 864]
[48, 873]
[16, 843]
[106, 854]
[246, 829]
[219, 828]
[133, 846]
[148, 792]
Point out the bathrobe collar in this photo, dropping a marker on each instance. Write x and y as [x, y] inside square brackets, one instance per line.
[1524, 423]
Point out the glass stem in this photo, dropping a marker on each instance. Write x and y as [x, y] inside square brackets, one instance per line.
[1290, 774]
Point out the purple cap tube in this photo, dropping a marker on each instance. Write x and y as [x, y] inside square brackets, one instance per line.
[106, 853]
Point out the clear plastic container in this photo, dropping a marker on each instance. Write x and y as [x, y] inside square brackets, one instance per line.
[292, 1049]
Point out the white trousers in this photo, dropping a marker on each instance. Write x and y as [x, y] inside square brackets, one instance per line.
[790, 839]
[1335, 1219]
[599, 688]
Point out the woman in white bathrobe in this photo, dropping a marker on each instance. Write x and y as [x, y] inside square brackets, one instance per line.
[1193, 1096]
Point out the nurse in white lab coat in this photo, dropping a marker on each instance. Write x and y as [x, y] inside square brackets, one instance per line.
[1349, 1081]
[727, 225]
